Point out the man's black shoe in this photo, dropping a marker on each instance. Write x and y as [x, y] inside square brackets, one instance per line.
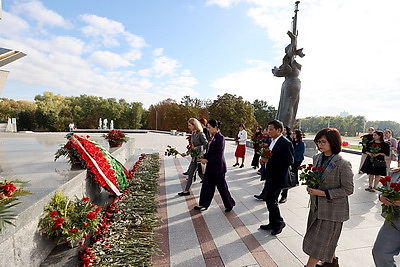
[259, 197]
[283, 200]
[266, 227]
[278, 230]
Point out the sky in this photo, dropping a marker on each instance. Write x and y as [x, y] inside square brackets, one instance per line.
[150, 50]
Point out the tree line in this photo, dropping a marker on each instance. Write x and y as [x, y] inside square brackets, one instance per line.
[53, 112]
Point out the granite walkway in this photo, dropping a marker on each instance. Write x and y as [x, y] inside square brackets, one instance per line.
[215, 238]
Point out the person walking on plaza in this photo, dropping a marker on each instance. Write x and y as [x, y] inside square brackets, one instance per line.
[214, 175]
[375, 164]
[365, 140]
[256, 139]
[275, 173]
[241, 145]
[387, 243]
[299, 149]
[387, 134]
[331, 207]
[199, 142]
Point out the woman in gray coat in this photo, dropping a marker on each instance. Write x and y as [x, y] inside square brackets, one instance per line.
[199, 142]
[331, 208]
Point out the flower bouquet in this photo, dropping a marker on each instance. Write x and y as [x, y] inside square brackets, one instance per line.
[116, 138]
[171, 151]
[265, 153]
[67, 220]
[9, 191]
[311, 176]
[392, 192]
[193, 151]
[69, 152]
[374, 149]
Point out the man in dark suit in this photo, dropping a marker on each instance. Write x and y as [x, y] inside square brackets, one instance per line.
[276, 174]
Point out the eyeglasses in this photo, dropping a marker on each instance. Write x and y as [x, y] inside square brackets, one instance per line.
[321, 142]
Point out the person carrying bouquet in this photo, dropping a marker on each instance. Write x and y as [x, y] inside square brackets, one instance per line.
[198, 144]
[387, 242]
[330, 207]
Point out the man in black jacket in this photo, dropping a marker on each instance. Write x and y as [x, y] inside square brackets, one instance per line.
[276, 175]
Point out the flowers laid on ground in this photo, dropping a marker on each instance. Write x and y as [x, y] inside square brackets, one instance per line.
[69, 220]
[171, 151]
[10, 190]
[311, 176]
[390, 190]
[265, 153]
[126, 234]
[345, 143]
[116, 136]
[375, 148]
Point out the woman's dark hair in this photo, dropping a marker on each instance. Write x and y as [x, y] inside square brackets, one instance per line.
[380, 133]
[215, 124]
[277, 124]
[299, 135]
[333, 137]
[288, 132]
[242, 125]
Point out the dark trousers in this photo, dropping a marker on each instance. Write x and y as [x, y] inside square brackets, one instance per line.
[296, 173]
[271, 194]
[210, 181]
[256, 159]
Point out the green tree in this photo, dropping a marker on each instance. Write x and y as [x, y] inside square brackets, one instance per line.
[232, 110]
[263, 112]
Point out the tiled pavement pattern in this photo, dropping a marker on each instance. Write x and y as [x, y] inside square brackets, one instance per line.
[216, 238]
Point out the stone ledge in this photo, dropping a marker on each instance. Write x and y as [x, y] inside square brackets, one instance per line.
[22, 244]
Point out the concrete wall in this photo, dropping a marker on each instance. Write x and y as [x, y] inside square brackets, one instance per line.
[23, 245]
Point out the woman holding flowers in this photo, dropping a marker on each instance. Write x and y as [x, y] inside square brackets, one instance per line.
[330, 207]
[257, 139]
[197, 145]
[214, 175]
[387, 242]
[375, 165]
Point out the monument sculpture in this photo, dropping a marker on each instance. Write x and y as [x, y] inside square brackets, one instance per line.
[105, 124]
[100, 121]
[290, 69]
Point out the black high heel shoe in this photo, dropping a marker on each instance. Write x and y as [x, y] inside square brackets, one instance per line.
[200, 208]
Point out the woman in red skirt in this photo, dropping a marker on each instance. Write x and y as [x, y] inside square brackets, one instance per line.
[241, 145]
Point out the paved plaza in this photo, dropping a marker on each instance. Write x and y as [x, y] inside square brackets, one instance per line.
[213, 237]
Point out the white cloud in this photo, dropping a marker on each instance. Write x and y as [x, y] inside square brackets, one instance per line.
[256, 82]
[223, 3]
[164, 65]
[106, 29]
[108, 59]
[350, 61]
[38, 12]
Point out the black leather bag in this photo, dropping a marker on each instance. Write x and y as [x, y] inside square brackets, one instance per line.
[290, 180]
[379, 163]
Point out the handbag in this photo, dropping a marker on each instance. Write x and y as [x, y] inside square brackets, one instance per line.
[290, 180]
[379, 163]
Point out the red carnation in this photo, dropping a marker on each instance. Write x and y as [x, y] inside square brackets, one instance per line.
[85, 199]
[59, 221]
[91, 215]
[73, 230]
[8, 189]
[53, 214]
